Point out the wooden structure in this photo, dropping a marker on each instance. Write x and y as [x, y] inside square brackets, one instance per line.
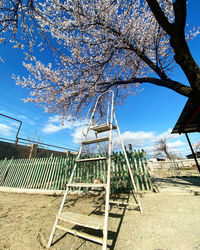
[93, 222]
[29, 173]
[189, 122]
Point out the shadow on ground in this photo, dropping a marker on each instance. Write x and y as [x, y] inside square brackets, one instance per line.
[178, 184]
[116, 214]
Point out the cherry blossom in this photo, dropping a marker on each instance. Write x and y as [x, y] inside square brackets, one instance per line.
[100, 45]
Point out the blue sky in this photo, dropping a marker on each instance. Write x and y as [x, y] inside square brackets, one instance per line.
[143, 119]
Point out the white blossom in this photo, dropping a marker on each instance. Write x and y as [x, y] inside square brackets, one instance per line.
[97, 45]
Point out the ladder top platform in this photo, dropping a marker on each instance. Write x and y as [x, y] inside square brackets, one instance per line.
[103, 127]
[96, 140]
[92, 159]
[82, 220]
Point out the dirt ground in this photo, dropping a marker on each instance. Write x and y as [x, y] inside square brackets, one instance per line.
[171, 219]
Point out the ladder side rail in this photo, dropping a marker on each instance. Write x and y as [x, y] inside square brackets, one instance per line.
[92, 115]
[96, 136]
[112, 93]
[128, 164]
[108, 113]
[70, 180]
[105, 229]
[98, 147]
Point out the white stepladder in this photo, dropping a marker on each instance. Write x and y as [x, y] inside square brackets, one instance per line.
[94, 222]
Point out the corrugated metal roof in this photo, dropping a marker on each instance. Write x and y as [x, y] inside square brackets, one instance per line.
[189, 120]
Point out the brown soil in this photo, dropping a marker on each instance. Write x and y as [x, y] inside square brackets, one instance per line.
[171, 220]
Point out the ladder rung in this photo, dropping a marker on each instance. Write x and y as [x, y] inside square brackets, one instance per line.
[82, 220]
[103, 128]
[124, 203]
[92, 159]
[96, 140]
[81, 234]
[94, 185]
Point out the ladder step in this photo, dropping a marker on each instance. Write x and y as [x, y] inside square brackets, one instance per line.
[96, 140]
[94, 185]
[92, 159]
[81, 234]
[82, 220]
[124, 203]
[103, 127]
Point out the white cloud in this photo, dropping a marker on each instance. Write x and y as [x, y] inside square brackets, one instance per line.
[23, 117]
[31, 122]
[164, 135]
[14, 124]
[78, 135]
[147, 140]
[176, 144]
[177, 147]
[55, 118]
[5, 130]
[51, 128]
[55, 124]
[27, 119]
[138, 139]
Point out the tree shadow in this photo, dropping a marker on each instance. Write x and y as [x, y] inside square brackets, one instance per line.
[180, 180]
[183, 183]
[193, 180]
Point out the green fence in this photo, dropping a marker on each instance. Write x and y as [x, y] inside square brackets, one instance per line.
[53, 173]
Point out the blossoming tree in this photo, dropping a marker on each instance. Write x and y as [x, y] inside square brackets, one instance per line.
[100, 45]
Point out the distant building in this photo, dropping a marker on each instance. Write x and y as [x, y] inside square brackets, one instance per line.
[161, 159]
[191, 156]
[153, 160]
[156, 159]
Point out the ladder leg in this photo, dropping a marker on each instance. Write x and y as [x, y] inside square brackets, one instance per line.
[107, 203]
[52, 234]
[56, 221]
[129, 168]
[107, 207]
[105, 229]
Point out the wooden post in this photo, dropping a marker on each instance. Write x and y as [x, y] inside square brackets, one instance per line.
[33, 150]
[195, 158]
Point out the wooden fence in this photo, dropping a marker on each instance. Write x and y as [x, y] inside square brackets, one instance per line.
[53, 173]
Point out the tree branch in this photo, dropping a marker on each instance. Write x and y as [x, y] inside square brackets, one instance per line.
[149, 62]
[139, 53]
[159, 15]
[176, 31]
[170, 84]
[180, 16]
